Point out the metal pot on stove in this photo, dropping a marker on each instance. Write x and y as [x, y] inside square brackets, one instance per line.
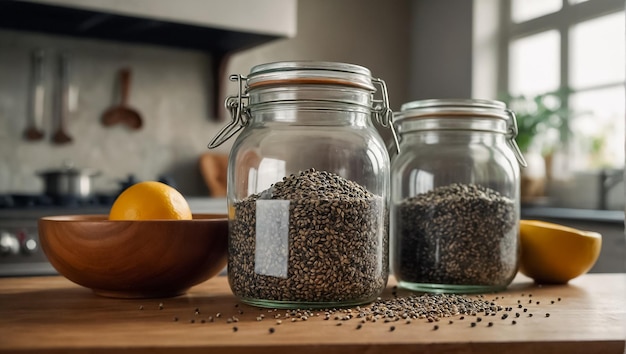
[69, 182]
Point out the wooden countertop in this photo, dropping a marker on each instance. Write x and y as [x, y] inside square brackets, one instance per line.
[53, 315]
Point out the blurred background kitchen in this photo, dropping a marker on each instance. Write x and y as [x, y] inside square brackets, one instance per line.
[559, 63]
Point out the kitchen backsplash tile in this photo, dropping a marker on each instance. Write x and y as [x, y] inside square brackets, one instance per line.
[170, 88]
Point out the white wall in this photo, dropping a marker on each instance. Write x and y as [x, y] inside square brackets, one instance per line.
[169, 89]
[441, 49]
[371, 33]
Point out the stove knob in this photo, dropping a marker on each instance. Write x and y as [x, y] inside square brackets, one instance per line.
[9, 244]
[29, 245]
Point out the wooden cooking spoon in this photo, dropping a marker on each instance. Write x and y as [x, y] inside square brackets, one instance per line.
[60, 136]
[35, 115]
[123, 113]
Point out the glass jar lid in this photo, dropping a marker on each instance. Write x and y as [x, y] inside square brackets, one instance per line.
[305, 81]
[458, 114]
[310, 72]
[453, 107]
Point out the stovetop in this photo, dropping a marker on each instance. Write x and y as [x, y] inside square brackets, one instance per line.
[20, 253]
[24, 201]
[25, 206]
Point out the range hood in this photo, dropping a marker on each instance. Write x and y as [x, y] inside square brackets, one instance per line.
[216, 26]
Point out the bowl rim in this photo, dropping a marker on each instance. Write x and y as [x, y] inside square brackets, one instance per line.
[197, 217]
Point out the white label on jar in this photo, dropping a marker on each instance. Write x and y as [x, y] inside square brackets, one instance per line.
[271, 256]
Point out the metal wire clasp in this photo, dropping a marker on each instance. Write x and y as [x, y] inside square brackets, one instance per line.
[511, 135]
[383, 113]
[238, 112]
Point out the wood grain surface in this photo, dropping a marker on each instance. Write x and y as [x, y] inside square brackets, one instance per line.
[135, 258]
[53, 315]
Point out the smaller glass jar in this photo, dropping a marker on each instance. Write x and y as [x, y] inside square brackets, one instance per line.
[455, 196]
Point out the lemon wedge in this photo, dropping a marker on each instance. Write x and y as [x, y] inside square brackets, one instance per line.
[555, 254]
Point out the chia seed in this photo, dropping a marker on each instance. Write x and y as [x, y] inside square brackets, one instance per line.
[460, 234]
[314, 238]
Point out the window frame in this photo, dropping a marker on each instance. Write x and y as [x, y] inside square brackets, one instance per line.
[561, 21]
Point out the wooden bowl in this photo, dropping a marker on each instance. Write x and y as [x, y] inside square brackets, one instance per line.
[135, 259]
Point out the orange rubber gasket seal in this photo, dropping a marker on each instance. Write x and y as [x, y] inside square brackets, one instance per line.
[309, 81]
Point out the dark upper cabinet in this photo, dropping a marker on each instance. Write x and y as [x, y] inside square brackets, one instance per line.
[216, 26]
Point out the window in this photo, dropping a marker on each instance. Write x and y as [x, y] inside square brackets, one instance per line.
[575, 47]
[524, 10]
[534, 74]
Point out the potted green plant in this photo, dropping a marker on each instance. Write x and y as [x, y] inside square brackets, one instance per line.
[542, 128]
[541, 120]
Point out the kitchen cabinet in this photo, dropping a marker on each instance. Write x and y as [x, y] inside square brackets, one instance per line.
[216, 26]
[53, 315]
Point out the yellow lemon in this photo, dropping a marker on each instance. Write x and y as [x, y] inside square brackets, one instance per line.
[552, 253]
[150, 200]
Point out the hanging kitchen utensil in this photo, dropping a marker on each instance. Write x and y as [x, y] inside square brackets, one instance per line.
[123, 113]
[34, 130]
[61, 136]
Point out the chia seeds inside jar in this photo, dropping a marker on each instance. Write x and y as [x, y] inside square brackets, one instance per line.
[316, 240]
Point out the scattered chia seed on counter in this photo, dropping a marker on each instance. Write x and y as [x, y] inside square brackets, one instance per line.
[461, 234]
[313, 237]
